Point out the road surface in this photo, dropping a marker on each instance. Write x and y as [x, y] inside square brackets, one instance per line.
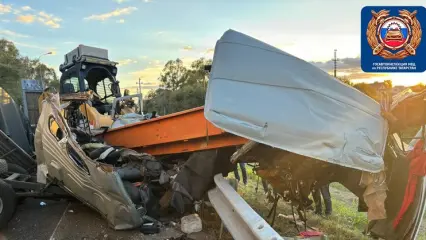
[64, 220]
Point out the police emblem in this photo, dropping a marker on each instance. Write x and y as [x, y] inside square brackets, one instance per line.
[394, 37]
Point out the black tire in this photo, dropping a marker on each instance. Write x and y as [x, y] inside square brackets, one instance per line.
[14, 168]
[7, 203]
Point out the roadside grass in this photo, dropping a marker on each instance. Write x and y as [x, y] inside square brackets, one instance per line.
[345, 222]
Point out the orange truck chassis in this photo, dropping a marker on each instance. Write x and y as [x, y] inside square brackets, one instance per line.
[186, 131]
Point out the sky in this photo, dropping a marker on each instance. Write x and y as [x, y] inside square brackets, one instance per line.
[142, 35]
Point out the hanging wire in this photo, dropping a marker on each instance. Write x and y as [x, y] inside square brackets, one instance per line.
[274, 208]
[305, 220]
[294, 218]
[257, 184]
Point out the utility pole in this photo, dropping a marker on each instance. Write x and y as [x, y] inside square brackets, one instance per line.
[139, 82]
[39, 63]
[335, 62]
[140, 92]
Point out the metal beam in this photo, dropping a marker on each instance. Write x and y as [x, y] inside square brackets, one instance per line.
[186, 131]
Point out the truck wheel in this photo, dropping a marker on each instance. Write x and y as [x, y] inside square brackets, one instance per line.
[7, 203]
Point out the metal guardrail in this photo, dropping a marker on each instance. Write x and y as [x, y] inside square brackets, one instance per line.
[239, 218]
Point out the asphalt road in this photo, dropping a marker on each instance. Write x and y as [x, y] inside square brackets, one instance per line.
[64, 220]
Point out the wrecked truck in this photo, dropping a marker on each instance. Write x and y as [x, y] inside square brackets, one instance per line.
[320, 131]
[317, 130]
[126, 187]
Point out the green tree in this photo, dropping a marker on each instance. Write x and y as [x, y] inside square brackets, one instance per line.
[367, 89]
[197, 74]
[14, 67]
[388, 83]
[174, 74]
[9, 68]
[418, 87]
[34, 69]
[184, 88]
[345, 80]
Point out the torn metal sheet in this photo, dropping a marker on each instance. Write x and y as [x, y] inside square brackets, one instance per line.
[261, 93]
[60, 158]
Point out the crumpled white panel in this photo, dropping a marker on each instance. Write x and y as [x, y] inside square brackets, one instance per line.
[261, 93]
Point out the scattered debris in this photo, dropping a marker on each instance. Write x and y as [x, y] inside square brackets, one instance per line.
[197, 206]
[70, 211]
[43, 204]
[311, 234]
[298, 222]
[191, 224]
[150, 228]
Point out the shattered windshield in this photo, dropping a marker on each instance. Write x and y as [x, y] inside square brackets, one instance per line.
[100, 80]
[103, 89]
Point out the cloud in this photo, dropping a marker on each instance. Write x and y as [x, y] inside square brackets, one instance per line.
[127, 61]
[160, 33]
[69, 42]
[5, 8]
[144, 57]
[187, 61]
[13, 34]
[26, 8]
[350, 68]
[117, 12]
[364, 75]
[5, 20]
[156, 63]
[42, 17]
[343, 63]
[149, 74]
[49, 20]
[120, 21]
[147, 1]
[187, 48]
[25, 18]
[33, 46]
[209, 51]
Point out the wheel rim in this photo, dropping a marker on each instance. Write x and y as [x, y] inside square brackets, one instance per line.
[1, 205]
